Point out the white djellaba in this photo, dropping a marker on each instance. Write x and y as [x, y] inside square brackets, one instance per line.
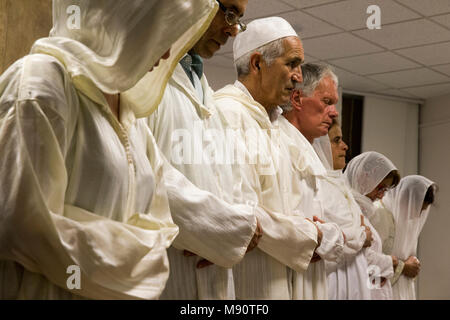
[405, 202]
[363, 174]
[190, 134]
[79, 187]
[347, 279]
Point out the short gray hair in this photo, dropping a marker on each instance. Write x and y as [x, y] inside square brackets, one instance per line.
[313, 74]
[269, 52]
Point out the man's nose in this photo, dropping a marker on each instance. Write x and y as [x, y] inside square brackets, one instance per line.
[297, 75]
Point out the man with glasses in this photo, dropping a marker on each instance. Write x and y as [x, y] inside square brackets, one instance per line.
[185, 116]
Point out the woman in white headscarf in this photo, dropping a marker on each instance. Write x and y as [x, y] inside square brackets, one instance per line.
[410, 204]
[370, 175]
[84, 213]
[347, 279]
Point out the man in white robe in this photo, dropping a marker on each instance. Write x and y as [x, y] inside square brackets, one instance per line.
[83, 184]
[187, 129]
[268, 57]
[308, 117]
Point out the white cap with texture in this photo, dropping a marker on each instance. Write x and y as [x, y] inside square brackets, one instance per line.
[260, 32]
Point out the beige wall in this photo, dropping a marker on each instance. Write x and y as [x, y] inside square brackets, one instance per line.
[434, 242]
[391, 128]
[21, 23]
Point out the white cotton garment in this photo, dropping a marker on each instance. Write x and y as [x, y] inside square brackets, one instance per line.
[307, 180]
[117, 42]
[189, 134]
[80, 188]
[347, 279]
[288, 240]
[363, 174]
[405, 202]
[383, 221]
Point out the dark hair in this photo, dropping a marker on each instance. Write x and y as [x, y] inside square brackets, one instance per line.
[429, 196]
[395, 175]
[334, 123]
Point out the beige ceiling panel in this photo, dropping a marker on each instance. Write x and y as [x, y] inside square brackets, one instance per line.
[407, 34]
[352, 14]
[427, 7]
[375, 63]
[338, 46]
[426, 92]
[410, 78]
[308, 26]
[429, 55]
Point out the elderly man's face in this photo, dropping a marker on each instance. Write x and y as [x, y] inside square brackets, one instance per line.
[278, 80]
[315, 113]
[219, 30]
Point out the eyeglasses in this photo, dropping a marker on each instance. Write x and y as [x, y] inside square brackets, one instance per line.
[232, 18]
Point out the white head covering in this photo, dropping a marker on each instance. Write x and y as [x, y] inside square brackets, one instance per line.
[364, 173]
[119, 41]
[260, 32]
[405, 202]
[322, 146]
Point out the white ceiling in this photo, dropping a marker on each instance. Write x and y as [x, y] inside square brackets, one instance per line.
[408, 57]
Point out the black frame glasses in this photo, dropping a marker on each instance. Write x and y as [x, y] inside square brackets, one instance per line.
[231, 17]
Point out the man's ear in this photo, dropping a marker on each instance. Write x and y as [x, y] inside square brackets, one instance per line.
[297, 99]
[255, 62]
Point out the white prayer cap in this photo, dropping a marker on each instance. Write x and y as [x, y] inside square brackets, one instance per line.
[260, 32]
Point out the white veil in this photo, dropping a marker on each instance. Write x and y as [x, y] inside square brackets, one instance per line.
[117, 42]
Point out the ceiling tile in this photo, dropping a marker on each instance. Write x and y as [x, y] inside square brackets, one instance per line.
[397, 93]
[443, 68]
[374, 63]
[264, 8]
[428, 7]
[410, 78]
[307, 26]
[310, 59]
[407, 34]
[429, 55]
[350, 81]
[352, 14]
[338, 46]
[444, 20]
[307, 3]
[427, 92]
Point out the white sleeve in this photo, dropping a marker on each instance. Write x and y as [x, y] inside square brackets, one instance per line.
[209, 227]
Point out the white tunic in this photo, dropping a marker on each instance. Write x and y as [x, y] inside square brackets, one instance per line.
[188, 134]
[289, 239]
[306, 180]
[77, 189]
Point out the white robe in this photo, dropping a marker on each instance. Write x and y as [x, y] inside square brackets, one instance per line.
[289, 239]
[77, 189]
[188, 134]
[347, 280]
[306, 180]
